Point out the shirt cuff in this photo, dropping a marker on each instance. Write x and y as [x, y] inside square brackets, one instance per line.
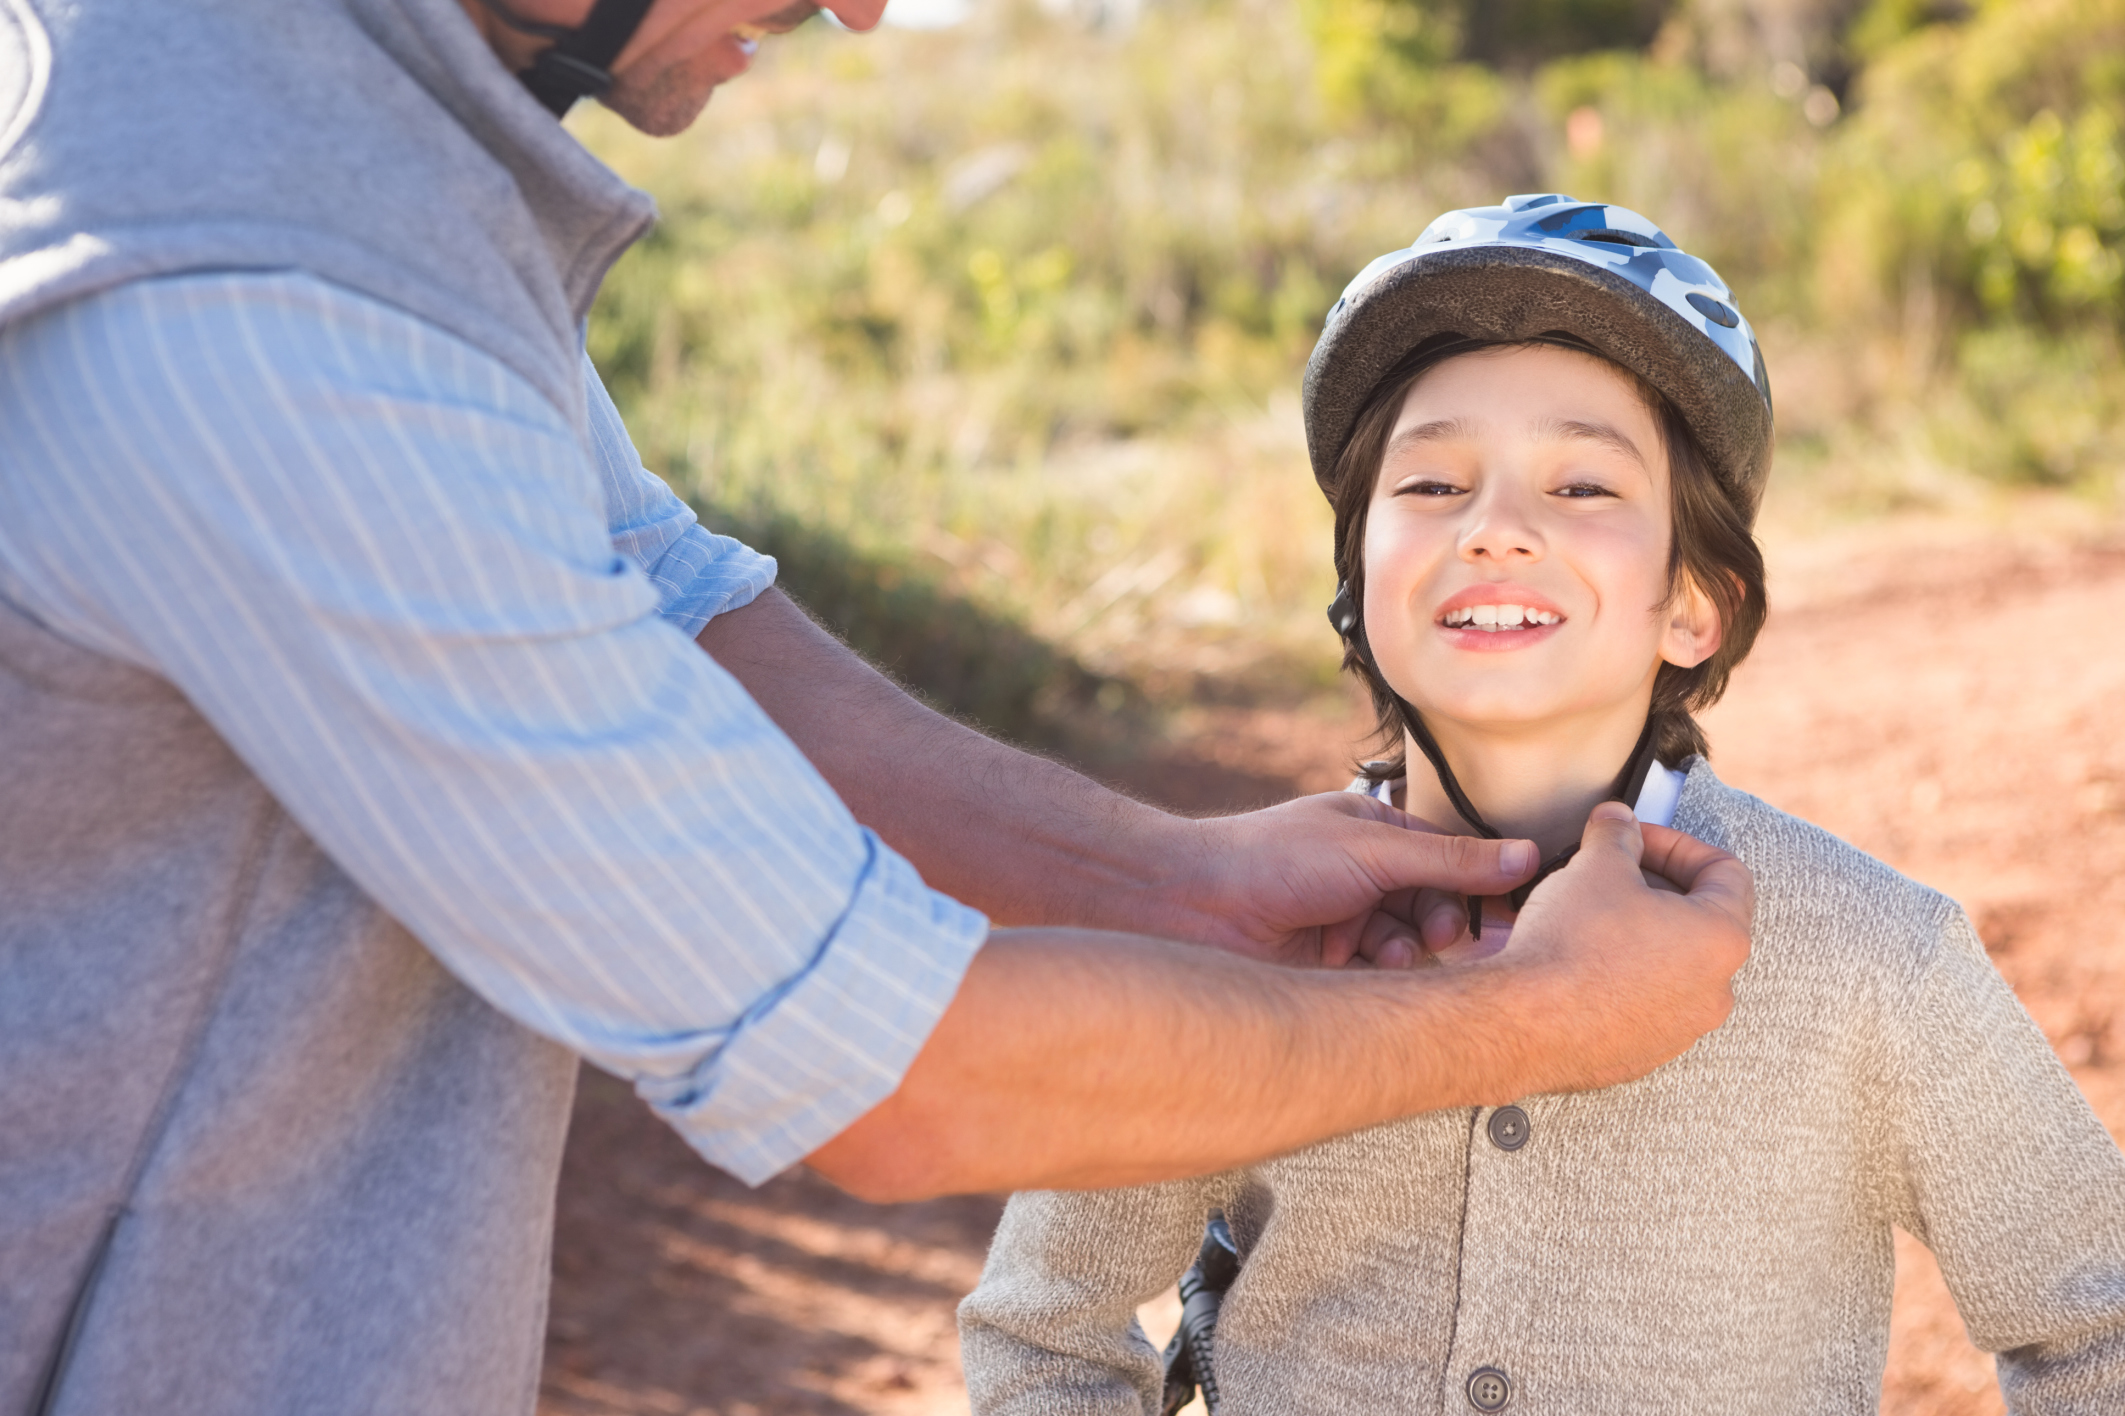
[834, 1041]
[703, 575]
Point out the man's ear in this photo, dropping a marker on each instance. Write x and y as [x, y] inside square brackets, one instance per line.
[1693, 632]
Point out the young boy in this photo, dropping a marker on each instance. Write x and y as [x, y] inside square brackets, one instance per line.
[1545, 431]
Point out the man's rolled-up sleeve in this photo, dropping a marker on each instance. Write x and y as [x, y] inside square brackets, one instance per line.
[793, 1067]
[390, 575]
[696, 573]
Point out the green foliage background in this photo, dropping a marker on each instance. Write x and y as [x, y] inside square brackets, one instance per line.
[995, 334]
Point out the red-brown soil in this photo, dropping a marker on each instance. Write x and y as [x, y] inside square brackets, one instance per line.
[1953, 702]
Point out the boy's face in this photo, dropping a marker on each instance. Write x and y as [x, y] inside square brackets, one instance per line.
[1516, 547]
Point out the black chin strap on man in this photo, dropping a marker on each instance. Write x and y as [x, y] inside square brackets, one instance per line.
[578, 64]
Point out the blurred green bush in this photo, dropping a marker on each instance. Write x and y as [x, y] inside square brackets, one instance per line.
[1983, 171]
[1018, 310]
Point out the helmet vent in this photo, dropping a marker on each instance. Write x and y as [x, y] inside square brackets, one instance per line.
[1712, 310]
[1589, 222]
[1615, 237]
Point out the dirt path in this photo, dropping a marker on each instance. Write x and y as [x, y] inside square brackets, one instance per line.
[1952, 702]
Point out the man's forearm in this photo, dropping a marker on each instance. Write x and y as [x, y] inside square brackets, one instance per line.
[1076, 1059]
[1023, 839]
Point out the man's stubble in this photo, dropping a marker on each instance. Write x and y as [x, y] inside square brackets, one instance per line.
[665, 103]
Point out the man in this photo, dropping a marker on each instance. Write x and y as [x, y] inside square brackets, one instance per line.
[359, 773]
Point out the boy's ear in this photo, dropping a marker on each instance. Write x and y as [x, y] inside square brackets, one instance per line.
[1694, 631]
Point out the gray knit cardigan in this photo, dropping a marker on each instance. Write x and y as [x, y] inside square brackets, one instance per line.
[1712, 1238]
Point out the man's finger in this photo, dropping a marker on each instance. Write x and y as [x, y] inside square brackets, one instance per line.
[1407, 853]
[1658, 883]
[1613, 827]
[1441, 918]
[1341, 941]
[1389, 942]
[1711, 879]
[1706, 874]
[1681, 858]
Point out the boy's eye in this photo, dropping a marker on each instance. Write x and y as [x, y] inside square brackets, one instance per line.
[1428, 487]
[1584, 489]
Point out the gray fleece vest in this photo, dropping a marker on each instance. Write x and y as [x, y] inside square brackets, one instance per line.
[258, 1151]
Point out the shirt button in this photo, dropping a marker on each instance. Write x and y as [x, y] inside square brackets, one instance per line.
[1489, 1389]
[1508, 1132]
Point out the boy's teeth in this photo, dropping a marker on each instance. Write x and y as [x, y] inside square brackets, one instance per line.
[1492, 618]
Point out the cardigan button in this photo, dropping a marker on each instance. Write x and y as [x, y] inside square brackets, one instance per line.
[1508, 1132]
[1489, 1389]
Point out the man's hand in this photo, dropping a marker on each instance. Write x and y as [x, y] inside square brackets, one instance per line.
[1629, 975]
[1324, 878]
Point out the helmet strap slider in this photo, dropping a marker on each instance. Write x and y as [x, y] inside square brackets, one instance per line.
[1343, 611]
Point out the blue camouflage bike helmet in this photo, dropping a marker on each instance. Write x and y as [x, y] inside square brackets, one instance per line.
[1544, 265]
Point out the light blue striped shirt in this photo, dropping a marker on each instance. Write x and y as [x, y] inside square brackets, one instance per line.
[450, 626]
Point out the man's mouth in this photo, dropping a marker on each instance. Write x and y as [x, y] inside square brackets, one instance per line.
[1492, 619]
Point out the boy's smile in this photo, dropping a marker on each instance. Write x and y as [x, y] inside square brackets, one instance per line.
[1516, 579]
[1490, 618]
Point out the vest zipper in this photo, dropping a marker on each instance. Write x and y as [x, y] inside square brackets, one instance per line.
[244, 895]
[76, 1319]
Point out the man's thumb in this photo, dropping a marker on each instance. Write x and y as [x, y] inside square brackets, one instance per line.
[1614, 827]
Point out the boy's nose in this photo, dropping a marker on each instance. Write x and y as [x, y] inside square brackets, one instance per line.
[1500, 530]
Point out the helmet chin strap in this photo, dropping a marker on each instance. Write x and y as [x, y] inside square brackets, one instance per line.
[1343, 614]
[578, 63]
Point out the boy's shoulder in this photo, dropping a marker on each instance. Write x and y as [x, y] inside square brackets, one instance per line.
[1814, 889]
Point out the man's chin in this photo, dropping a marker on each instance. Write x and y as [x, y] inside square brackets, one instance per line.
[665, 105]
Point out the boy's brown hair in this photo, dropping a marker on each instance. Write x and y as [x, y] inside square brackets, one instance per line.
[1709, 545]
